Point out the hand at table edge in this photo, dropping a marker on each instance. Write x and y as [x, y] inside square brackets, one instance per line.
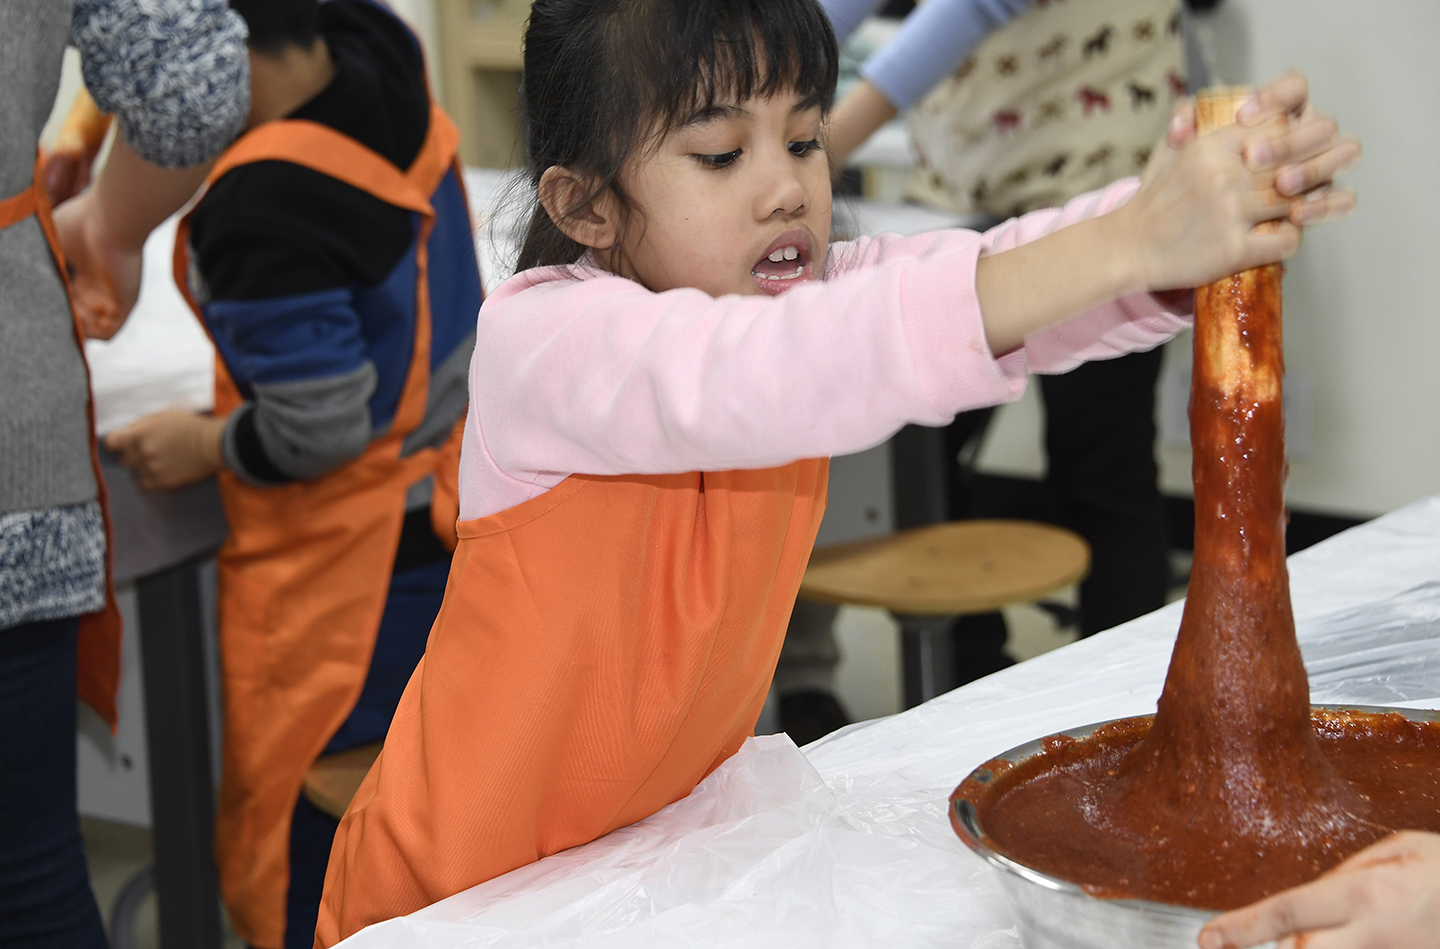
[1387, 895]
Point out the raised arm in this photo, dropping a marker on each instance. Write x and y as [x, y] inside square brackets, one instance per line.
[601, 376]
[933, 41]
[178, 76]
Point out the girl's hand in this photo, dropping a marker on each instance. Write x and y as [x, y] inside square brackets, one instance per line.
[1387, 895]
[170, 449]
[1193, 220]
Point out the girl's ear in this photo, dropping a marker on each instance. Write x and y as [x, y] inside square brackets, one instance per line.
[563, 194]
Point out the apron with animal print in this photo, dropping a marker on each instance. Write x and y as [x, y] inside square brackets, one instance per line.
[1063, 100]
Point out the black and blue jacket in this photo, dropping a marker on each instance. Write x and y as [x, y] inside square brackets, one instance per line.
[307, 284]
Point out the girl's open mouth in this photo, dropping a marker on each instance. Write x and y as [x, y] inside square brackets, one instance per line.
[784, 263]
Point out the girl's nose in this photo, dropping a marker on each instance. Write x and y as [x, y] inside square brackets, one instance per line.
[783, 193]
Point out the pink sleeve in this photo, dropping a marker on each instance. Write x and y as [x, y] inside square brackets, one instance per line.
[1126, 325]
[601, 376]
[592, 373]
[1130, 324]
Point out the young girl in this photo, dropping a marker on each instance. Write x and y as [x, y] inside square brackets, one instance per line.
[654, 394]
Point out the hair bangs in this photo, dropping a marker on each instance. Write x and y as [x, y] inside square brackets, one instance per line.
[727, 52]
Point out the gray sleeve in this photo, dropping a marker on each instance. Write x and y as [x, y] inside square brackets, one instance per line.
[298, 431]
[935, 39]
[176, 72]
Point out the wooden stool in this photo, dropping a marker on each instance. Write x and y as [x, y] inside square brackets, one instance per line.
[332, 780]
[928, 575]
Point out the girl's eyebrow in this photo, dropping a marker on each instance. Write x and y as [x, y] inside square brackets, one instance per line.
[812, 101]
[713, 113]
[730, 110]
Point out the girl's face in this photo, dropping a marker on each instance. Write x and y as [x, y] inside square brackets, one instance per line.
[735, 200]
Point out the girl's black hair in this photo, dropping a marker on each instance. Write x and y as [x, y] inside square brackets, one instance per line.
[276, 24]
[605, 78]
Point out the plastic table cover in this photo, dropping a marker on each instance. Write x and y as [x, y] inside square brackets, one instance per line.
[847, 842]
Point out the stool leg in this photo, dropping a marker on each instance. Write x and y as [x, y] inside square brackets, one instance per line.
[927, 651]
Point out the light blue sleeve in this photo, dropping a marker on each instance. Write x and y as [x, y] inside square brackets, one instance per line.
[935, 39]
[847, 15]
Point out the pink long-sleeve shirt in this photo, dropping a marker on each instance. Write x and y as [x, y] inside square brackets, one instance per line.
[579, 371]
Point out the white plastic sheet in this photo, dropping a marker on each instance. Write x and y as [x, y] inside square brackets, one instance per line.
[847, 844]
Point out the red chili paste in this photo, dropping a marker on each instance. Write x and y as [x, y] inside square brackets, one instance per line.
[1232, 794]
[1064, 812]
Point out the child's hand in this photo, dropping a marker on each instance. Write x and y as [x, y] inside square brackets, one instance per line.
[1193, 220]
[1386, 895]
[169, 449]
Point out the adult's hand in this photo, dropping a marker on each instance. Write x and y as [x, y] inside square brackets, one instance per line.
[103, 231]
[104, 274]
[1387, 896]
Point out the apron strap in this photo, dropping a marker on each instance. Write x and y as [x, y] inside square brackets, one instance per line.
[329, 152]
[323, 149]
[17, 208]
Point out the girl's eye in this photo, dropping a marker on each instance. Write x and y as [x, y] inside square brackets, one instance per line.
[719, 161]
[801, 149]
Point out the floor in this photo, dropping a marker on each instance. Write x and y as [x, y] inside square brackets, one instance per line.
[115, 852]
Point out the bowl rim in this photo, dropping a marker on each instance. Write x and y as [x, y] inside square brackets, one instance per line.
[965, 821]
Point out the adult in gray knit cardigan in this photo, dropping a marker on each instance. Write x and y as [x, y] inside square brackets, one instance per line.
[177, 74]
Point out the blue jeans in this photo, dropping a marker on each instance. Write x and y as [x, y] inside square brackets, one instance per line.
[45, 896]
[410, 611]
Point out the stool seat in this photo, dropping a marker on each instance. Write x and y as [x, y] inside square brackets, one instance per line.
[950, 569]
[332, 780]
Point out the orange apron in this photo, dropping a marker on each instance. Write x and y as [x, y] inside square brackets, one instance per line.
[601, 648]
[98, 673]
[305, 572]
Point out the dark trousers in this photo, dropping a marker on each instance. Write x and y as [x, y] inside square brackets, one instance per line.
[1100, 443]
[410, 611]
[45, 896]
[1103, 480]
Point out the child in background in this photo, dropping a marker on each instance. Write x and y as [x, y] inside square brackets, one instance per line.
[334, 267]
[654, 394]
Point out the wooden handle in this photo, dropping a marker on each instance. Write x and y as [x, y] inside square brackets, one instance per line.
[1232, 748]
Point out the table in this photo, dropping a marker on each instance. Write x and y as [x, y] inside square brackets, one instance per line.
[847, 844]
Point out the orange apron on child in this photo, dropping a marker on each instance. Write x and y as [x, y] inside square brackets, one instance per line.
[98, 649]
[305, 572]
[601, 648]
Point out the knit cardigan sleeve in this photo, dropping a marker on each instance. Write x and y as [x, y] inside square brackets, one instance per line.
[176, 72]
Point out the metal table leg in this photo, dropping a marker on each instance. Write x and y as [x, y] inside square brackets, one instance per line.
[181, 792]
[927, 653]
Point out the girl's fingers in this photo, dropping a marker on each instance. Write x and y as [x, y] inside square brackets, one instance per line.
[1319, 170]
[1293, 144]
[1287, 95]
[1327, 205]
[1182, 124]
[1271, 246]
[1264, 204]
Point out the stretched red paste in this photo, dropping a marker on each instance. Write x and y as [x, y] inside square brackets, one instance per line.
[1230, 795]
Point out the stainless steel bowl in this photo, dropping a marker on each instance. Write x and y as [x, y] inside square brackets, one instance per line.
[1052, 913]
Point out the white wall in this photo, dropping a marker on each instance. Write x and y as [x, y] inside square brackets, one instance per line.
[1362, 298]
